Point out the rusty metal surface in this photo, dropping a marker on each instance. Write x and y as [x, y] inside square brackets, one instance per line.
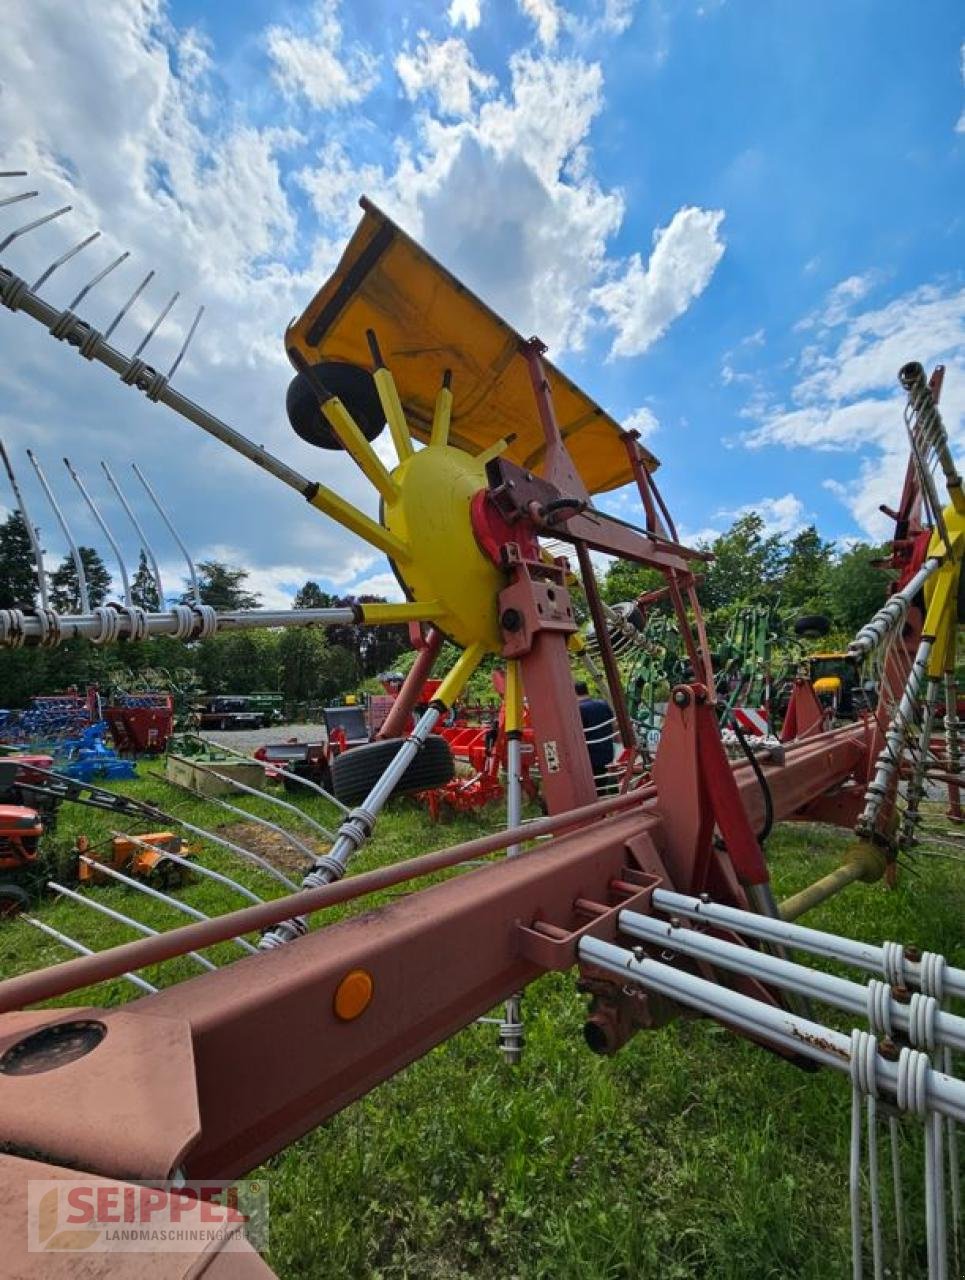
[127, 1108]
[208, 1260]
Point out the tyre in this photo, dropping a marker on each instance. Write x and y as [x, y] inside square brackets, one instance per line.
[13, 899]
[355, 772]
[812, 624]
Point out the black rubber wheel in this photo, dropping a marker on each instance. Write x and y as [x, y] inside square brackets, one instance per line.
[13, 900]
[812, 624]
[355, 772]
[354, 386]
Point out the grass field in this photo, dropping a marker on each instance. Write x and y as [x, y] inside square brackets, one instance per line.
[689, 1154]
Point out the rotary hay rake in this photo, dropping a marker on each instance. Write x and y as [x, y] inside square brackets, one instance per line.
[659, 894]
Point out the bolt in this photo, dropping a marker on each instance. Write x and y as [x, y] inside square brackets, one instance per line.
[705, 898]
[529, 475]
[681, 698]
[639, 954]
[674, 922]
[913, 953]
[511, 620]
[901, 994]
[889, 1050]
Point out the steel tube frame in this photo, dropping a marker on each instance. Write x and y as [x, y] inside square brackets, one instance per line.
[862, 955]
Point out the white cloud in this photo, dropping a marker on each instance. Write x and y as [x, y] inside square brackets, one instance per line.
[847, 400]
[643, 420]
[444, 70]
[316, 66]
[546, 16]
[644, 302]
[960, 126]
[466, 12]
[780, 515]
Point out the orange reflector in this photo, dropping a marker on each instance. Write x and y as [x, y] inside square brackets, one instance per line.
[353, 994]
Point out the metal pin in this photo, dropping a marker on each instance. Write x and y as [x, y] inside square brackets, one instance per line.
[154, 327]
[24, 195]
[64, 257]
[195, 589]
[31, 531]
[121, 918]
[79, 947]
[128, 304]
[125, 580]
[97, 279]
[186, 343]
[148, 550]
[74, 553]
[30, 226]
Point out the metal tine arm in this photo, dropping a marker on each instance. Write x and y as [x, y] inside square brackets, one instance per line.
[187, 342]
[122, 257]
[192, 573]
[287, 836]
[161, 897]
[24, 195]
[128, 304]
[156, 325]
[275, 800]
[189, 865]
[31, 531]
[237, 849]
[282, 773]
[148, 549]
[74, 552]
[104, 910]
[141, 983]
[125, 580]
[64, 257]
[31, 226]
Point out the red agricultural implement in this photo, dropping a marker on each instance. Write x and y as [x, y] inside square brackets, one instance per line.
[659, 895]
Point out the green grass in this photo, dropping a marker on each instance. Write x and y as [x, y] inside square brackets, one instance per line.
[690, 1154]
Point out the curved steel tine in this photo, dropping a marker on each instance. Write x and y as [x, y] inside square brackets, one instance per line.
[184, 346]
[13, 173]
[30, 226]
[192, 573]
[64, 257]
[24, 195]
[148, 549]
[65, 529]
[31, 531]
[125, 580]
[154, 327]
[104, 910]
[79, 947]
[97, 279]
[128, 304]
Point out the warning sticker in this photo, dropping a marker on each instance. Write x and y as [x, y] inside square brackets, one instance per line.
[551, 755]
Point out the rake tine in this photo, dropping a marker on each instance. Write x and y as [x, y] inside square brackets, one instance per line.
[161, 897]
[13, 173]
[259, 821]
[97, 279]
[149, 551]
[199, 867]
[75, 554]
[128, 304]
[64, 257]
[282, 804]
[237, 849]
[104, 529]
[24, 195]
[187, 341]
[31, 531]
[154, 327]
[31, 226]
[119, 916]
[79, 947]
[284, 773]
[195, 590]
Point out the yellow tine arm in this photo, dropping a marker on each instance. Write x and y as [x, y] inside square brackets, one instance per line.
[458, 677]
[415, 611]
[351, 518]
[394, 415]
[496, 449]
[355, 443]
[443, 412]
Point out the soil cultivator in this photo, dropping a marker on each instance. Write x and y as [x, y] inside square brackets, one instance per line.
[659, 894]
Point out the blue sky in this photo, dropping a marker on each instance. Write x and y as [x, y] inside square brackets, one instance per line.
[731, 221]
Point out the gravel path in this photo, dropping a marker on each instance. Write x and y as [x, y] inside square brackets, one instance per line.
[248, 739]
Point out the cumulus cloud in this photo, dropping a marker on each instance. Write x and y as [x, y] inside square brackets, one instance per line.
[643, 420]
[780, 515]
[316, 66]
[546, 16]
[443, 70]
[644, 300]
[846, 398]
[465, 12]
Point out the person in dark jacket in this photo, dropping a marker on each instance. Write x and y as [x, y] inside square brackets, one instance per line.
[596, 716]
